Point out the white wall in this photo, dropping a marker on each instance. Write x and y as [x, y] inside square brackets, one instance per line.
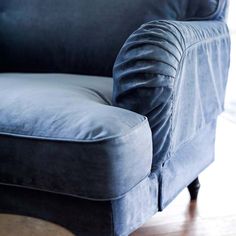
[230, 101]
[232, 16]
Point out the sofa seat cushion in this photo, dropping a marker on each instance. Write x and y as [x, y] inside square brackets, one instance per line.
[60, 133]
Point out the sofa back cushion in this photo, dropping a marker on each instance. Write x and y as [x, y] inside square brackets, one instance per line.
[82, 36]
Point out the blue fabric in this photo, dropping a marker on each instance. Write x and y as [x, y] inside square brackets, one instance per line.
[82, 36]
[65, 148]
[74, 140]
[175, 74]
[80, 216]
[186, 164]
[117, 217]
[84, 217]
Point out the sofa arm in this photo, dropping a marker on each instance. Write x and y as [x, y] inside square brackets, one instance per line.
[174, 73]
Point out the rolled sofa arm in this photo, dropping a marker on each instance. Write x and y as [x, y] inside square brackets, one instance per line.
[174, 73]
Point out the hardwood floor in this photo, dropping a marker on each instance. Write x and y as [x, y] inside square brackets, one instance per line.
[11, 225]
[213, 215]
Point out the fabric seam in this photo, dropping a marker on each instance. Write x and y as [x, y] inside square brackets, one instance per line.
[192, 46]
[75, 195]
[54, 139]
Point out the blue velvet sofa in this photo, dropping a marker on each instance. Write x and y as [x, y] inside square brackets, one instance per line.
[107, 108]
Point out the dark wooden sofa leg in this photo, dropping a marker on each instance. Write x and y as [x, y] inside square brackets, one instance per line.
[193, 189]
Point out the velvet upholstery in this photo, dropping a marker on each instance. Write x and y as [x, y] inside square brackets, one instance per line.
[97, 160]
[172, 90]
[118, 217]
[74, 122]
[82, 36]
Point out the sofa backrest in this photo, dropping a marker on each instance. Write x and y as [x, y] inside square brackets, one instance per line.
[82, 36]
